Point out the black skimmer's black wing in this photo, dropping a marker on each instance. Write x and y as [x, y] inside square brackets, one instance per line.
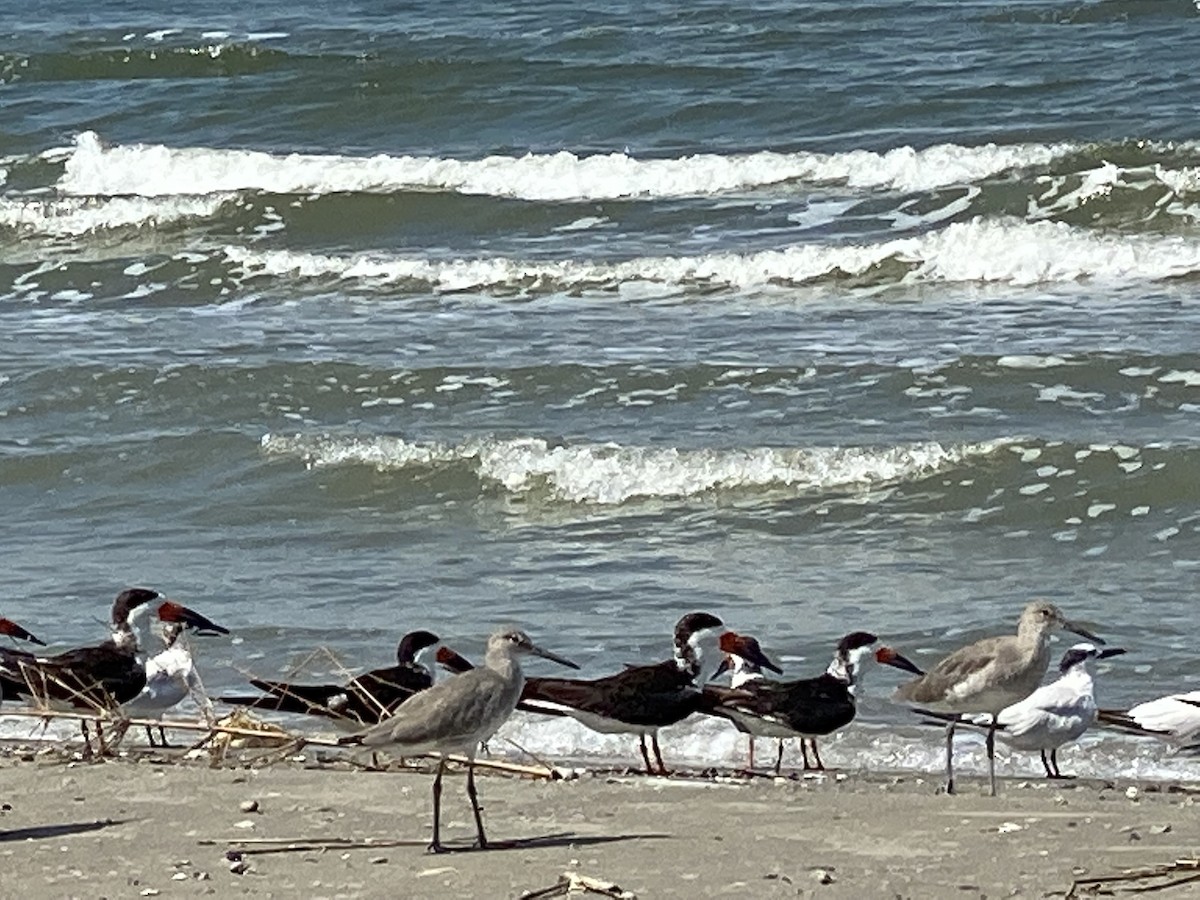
[650, 696]
[364, 700]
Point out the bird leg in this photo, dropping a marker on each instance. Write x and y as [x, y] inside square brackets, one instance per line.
[750, 740]
[820, 767]
[662, 767]
[471, 793]
[162, 737]
[1046, 765]
[1054, 762]
[804, 751]
[435, 845]
[991, 754]
[645, 754]
[150, 736]
[950, 756]
[779, 757]
[87, 739]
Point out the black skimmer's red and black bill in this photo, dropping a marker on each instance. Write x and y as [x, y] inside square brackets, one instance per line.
[13, 630]
[101, 677]
[1055, 714]
[638, 700]
[990, 674]
[171, 673]
[807, 708]
[364, 700]
[458, 714]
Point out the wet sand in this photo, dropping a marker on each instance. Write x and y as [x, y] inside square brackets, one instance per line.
[126, 828]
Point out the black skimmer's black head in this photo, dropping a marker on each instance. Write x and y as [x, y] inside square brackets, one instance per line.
[131, 603]
[690, 632]
[747, 649]
[513, 642]
[12, 629]
[857, 648]
[412, 644]
[178, 614]
[1080, 654]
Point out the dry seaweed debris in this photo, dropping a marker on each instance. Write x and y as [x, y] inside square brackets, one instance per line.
[570, 883]
[1141, 880]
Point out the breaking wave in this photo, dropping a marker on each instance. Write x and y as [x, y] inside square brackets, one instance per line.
[610, 474]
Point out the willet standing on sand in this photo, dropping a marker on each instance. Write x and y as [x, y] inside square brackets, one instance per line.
[989, 675]
[456, 715]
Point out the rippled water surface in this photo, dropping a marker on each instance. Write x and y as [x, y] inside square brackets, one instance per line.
[821, 317]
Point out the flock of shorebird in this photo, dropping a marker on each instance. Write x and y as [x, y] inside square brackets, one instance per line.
[993, 684]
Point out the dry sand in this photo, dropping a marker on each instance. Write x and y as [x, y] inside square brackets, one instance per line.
[130, 828]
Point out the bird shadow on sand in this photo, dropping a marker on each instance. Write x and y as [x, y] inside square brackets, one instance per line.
[560, 839]
[40, 832]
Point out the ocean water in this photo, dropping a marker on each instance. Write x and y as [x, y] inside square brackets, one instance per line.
[335, 323]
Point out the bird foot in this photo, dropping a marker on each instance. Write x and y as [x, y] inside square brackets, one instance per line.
[436, 847]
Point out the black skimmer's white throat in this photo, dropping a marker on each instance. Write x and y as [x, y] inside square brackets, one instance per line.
[806, 708]
[990, 674]
[364, 700]
[98, 678]
[171, 673]
[638, 700]
[1056, 713]
[458, 714]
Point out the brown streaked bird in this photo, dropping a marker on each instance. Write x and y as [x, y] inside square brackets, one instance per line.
[637, 700]
[457, 715]
[806, 708]
[364, 700]
[989, 675]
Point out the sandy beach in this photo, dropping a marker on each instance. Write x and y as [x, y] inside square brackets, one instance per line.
[152, 826]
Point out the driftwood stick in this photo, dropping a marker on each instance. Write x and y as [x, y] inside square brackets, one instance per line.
[1145, 873]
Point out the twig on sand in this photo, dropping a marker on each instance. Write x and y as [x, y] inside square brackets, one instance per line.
[1157, 878]
[246, 846]
[574, 883]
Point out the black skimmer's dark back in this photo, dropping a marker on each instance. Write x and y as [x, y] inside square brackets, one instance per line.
[638, 700]
[806, 708]
[364, 700]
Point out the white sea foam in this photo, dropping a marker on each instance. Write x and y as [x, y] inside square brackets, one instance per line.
[610, 474]
[157, 170]
[84, 215]
[1009, 252]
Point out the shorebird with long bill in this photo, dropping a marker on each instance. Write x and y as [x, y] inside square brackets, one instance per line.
[457, 715]
[989, 675]
[1055, 714]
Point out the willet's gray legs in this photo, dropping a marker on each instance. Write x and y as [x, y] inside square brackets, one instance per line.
[751, 744]
[662, 767]
[435, 845]
[471, 793]
[991, 755]
[779, 757]
[804, 752]
[950, 756]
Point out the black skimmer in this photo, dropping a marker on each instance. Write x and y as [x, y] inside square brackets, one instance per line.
[638, 700]
[990, 674]
[364, 700]
[15, 631]
[806, 708]
[1055, 714]
[171, 673]
[458, 714]
[101, 677]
